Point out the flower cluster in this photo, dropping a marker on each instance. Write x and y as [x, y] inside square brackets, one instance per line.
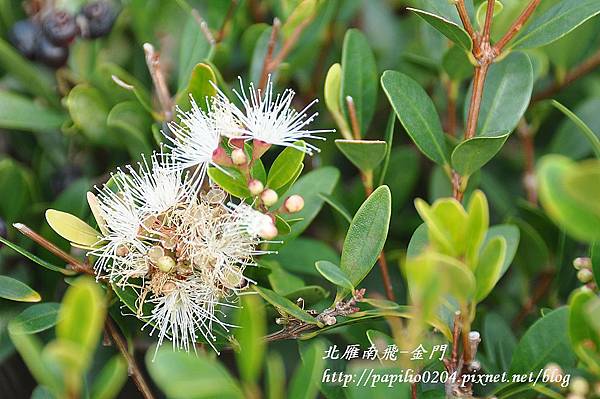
[179, 243]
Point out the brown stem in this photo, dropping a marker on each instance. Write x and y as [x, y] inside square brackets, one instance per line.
[385, 275]
[451, 121]
[456, 181]
[455, 341]
[580, 71]
[159, 80]
[75, 264]
[289, 44]
[353, 118]
[487, 26]
[413, 390]
[203, 27]
[476, 98]
[526, 136]
[542, 287]
[134, 370]
[230, 10]
[466, 21]
[264, 75]
[516, 26]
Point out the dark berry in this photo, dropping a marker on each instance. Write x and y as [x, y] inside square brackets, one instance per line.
[60, 27]
[100, 16]
[50, 54]
[24, 35]
[3, 231]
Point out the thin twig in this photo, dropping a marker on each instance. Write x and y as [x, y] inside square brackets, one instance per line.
[476, 98]
[269, 55]
[516, 26]
[451, 122]
[487, 26]
[466, 21]
[203, 27]
[74, 263]
[159, 80]
[221, 34]
[134, 370]
[580, 71]
[385, 275]
[353, 118]
[289, 44]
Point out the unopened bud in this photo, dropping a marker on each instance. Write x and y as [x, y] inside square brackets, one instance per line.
[155, 253]
[166, 264]
[268, 231]
[269, 197]
[259, 147]
[237, 142]
[256, 187]
[581, 263]
[168, 287]
[238, 156]
[220, 157]
[294, 203]
[585, 275]
[580, 386]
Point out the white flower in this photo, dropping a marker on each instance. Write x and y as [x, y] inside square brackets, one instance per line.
[272, 119]
[252, 221]
[196, 137]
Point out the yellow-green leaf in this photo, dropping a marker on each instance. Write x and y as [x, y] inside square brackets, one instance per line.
[72, 228]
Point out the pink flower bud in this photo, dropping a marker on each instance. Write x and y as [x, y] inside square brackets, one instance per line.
[268, 231]
[237, 142]
[256, 187]
[220, 157]
[269, 197]
[294, 203]
[259, 147]
[238, 156]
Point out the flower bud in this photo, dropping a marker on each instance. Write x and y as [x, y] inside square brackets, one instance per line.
[294, 203]
[219, 156]
[581, 263]
[259, 147]
[268, 231]
[168, 287]
[237, 142]
[166, 264]
[585, 275]
[256, 187]
[269, 197]
[579, 386]
[238, 156]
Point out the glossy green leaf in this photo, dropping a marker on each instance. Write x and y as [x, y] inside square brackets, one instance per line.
[366, 155]
[305, 10]
[284, 305]
[89, 112]
[582, 184]
[334, 274]
[447, 223]
[300, 255]
[305, 381]
[556, 22]
[417, 113]
[471, 155]
[311, 294]
[581, 333]
[16, 112]
[591, 137]
[506, 94]
[446, 27]
[359, 78]
[563, 208]
[37, 259]
[199, 87]
[14, 290]
[366, 236]
[456, 64]
[285, 166]
[111, 379]
[129, 119]
[230, 182]
[72, 228]
[193, 49]
[511, 235]
[36, 318]
[489, 269]
[186, 375]
[252, 322]
[332, 92]
[81, 316]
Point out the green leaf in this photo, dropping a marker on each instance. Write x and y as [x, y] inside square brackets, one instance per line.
[332, 93]
[37, 259]
[36, 318]
[14, 290]
[506, 94]
[111, 379]
[446, 27]
[199, 87]
[300, 255]
[366, 155]
[511, 235]
[583, 128]
[556, 22]
[402, 176]
[275, 379]
[284, 305]
[306, 379]
[482, 11]
[34, 79]
[134, 124]
[576, 146]
[477, 225]
[311, 294]
[182, 375]
[471, 155]
[417, 114]
[359, 77]
[89, 112]
[235, 186]
[489, 269]
[285, 166]
[309, 186]
[582, 184]
[334, 274]
[305, 10]
[456, 64]
[14, 202]
[16, 112]
[251, 320]
[331, 201]
[581, 332]
[498, 341]
[193, 48]
[366, 236]
[389, 140]
[546, 341]
[566, 210]
[72, 228]
[81, 316]
[595, 256]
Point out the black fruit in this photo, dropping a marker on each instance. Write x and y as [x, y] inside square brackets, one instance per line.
[24, 35]
[100, 16]
[3, 231]
[50, 54]
[60, 27]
